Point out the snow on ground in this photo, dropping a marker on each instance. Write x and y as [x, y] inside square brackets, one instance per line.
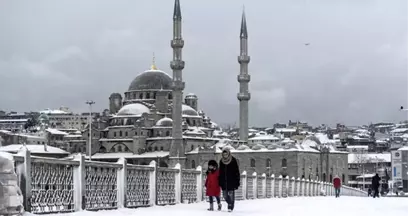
[310, 206]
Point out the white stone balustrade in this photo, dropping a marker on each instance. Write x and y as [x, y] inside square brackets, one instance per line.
[52, 185]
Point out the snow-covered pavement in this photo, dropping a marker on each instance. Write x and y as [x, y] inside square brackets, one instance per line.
[304, 206]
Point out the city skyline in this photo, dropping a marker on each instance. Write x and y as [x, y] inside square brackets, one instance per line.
[303, 67]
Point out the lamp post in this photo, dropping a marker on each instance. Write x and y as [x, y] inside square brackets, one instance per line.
[90, 103]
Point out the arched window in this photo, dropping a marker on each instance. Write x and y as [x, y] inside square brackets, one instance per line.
[324, 177]
[126, 134]
[284, 163]
[135, 133]
[192, 147]
[155, 148]
[161, 148]
[147, 95]
[141, 96]
[154, 95]
[120, 134]
[253, 164]
[193, 166]
[331, 178]
[343, 177]
[268, 162]
[167, 133]
[119, 149]
[114, 134]
[170, 97]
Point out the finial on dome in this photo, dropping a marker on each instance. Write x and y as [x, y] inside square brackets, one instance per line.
[153, 67]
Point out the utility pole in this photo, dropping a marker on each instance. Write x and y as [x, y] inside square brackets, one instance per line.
[90, 103]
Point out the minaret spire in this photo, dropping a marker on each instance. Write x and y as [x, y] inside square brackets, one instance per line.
[177, 65]
[243, 78]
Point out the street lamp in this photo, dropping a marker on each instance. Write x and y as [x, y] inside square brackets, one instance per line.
[90, 103]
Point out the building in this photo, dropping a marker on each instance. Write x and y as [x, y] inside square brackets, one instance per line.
[400, 168]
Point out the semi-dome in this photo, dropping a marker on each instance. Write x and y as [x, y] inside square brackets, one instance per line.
[165, 122]
[258, 147]
[188, 110]
[133, 109]
[151, 79]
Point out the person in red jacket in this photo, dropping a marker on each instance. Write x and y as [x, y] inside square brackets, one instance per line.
[213, 188]
[337, 185]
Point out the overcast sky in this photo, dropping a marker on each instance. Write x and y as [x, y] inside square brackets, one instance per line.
[63, 52]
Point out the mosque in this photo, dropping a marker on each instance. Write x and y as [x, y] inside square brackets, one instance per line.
[153, 121]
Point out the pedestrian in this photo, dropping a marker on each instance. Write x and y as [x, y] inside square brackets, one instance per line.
[212, 184]
[230, 177]
[375, 183]
[337, 185]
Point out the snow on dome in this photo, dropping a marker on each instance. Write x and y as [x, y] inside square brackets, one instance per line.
[258, 147]
[273, 146]
[151, 79]
[191, 96]
[165, 122]
[243, 147]
[133, 109]
[188, 111]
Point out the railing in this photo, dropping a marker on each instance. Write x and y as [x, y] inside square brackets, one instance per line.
[66, 185]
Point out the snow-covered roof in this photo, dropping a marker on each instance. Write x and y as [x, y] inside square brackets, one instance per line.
[133, 109]
[13, 120]
[357, 147]
[188, 111]
[54, 112]
[404, 148]
[264, 137]
[372, 158]
[56, 132]
[116, 155]
[285, 130]
[14, 148]
[399, 130]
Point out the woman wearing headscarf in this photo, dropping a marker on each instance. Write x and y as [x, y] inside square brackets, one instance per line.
[229, 177]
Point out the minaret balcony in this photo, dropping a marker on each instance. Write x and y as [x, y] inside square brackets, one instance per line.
[177, 43]
[178, 85]
[244, 78]
[244, 59]
[244, 96]
[177, 64]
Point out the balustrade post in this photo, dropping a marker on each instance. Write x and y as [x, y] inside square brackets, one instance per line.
[314, 188]
[273, 185]
[199, 178]
[264, 185]
[153, 183]
[244, 183]
[307, 187]
[24, 177]
[79, 183]
[303, 187]
[280, 192]
[255, 185]
[293, 186]
[178, 187]
[122, 183]
[287, 186]
[298, 187]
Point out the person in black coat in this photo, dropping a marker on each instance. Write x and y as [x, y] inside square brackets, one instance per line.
[229, 178]
[375, 183]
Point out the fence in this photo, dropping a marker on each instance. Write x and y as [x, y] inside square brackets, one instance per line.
[65, 185]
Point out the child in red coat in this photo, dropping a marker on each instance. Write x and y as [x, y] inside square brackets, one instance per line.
[212, 186]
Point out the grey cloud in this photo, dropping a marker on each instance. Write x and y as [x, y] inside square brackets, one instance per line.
[55, 53]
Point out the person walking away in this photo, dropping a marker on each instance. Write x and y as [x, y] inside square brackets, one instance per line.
[337, 185]
[375, 183]
[229, 178]
[212, 184]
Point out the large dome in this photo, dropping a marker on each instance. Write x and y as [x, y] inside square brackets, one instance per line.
[188, 110]
[151, 79]
[133, 109]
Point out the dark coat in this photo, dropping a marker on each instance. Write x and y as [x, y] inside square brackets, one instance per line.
[212, 184]
[375, 182]
[230, 176]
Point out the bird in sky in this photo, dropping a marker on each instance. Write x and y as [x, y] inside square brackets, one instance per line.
[402, 108]
[307, 44]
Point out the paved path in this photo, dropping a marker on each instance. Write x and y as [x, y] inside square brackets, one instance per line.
[302, 206]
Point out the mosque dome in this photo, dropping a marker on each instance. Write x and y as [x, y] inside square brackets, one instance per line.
[243, 147]
[133, 109]
[191, 96]
[258, 147]
[151, 79]
[165, 122]
[188, 110]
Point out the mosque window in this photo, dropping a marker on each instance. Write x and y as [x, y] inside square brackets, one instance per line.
[170, 97]
[284, 163]
[193, 165]
[126, 134]
[114, 134]
[119, 148]
[192, 147]
[147, 95]
[161, 148]
[167, 133]
[156, 149]
[154, 95]
[324, 177]
[343, 177]
[140, 95]
[331, 178]
[135, 133]
[268, 162]
[252, 162]
[120, 134]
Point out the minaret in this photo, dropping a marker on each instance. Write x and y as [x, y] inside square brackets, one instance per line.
[243, 78]
[177, 65]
